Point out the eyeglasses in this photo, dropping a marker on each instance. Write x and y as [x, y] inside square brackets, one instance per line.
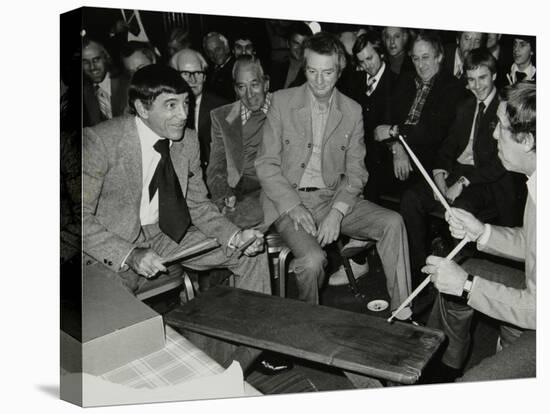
[199, 74]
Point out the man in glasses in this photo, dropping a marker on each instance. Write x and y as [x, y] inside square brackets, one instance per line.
[192, 67]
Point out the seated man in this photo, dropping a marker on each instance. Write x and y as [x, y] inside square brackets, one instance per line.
[467, 166]
[455, 54]
[516, 136]
[193, 67]
[523, 53]
[243, 45]
[236, 137]
[143, 189]
[104, 89]
[312, 171]
[423, 109]
[396, 42]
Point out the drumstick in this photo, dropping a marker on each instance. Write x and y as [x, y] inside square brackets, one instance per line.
[425, 282]
[426, 176]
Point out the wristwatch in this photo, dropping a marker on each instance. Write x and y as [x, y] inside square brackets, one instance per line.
[467, 288]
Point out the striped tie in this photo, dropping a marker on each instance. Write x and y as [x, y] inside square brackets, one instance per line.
[104, 101]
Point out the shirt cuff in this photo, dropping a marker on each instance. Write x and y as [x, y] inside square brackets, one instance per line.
[123, 265]
[466, 181]
[231, 243]
[341, 207]
[440, 171]
[484, 238]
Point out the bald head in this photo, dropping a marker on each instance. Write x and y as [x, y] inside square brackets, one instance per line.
[192, 67]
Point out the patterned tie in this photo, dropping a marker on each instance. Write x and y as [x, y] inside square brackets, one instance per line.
[370, 85]
[104, 101]
[174, 218]
[479, 116]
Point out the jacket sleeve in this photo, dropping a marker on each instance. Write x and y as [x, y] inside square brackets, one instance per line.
[204, 214]
[97, 240]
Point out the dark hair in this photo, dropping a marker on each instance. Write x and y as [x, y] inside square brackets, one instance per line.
[150, 81]
[521, 109]
[431, 37]
[371, 37]
[480, 57]
[325, 43]
[299, 28]
[129, 48]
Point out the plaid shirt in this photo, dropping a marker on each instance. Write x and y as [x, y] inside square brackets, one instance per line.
[422, 92]
[246, 113]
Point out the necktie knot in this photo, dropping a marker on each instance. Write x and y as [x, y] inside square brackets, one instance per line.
[481, 108]
[162, 146]
[520, 76]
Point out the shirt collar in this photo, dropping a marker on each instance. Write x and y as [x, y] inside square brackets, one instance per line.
[105, 84]
[315, 104]
[419, 82]
[458, 63]
[377, 76]
[247, 113]
[530, 70]
[147, 136]
[532, 186]
[489, 98]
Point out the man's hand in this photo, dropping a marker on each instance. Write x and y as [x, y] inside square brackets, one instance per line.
[329, 229]
[454, 191]
[464, 224]
[401, 163]
[446, 275]
[145, 262]
[300, 215]
[256, 247]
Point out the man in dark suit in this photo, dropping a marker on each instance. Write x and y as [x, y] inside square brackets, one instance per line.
[143, 197]
[467, 165]
[236, 137]
[105, 92]
[193, 67]
[423, 109]
[219, 79]
[289, 72]
[455, 54]
[396, 40]
[372, 89]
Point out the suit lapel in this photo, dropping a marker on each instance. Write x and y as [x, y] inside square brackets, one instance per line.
[334, 117]
[301, 116]
[234, 139]
[131, 158]
[180, 162]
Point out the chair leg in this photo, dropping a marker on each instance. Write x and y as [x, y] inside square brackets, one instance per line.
[347, 268]
[283, 256]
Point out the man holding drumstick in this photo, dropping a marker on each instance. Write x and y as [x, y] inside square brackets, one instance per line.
[462, 293]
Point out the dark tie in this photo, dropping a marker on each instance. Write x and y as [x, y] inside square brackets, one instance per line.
[479, 116]
[174, 216]
[520, 76]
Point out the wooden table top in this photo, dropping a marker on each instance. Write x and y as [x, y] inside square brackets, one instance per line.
[351, 341]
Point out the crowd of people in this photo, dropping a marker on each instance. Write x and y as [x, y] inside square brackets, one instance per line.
[212, 142]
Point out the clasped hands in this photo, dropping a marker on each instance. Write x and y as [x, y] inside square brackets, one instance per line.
[329, 228]
[447, 276]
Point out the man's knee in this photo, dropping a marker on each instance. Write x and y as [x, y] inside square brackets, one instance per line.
[313, 262]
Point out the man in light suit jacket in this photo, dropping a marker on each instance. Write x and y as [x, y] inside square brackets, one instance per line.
[512, 302]
[236, 137]
[104, 91]
[312, 171]
[143, 195]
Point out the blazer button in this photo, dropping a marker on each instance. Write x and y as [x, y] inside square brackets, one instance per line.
[309, 144]
[343, 148]
[105, 261]
[88, 262]
[110, 263]
[287, 141]
[294, 185]
[302, 165]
